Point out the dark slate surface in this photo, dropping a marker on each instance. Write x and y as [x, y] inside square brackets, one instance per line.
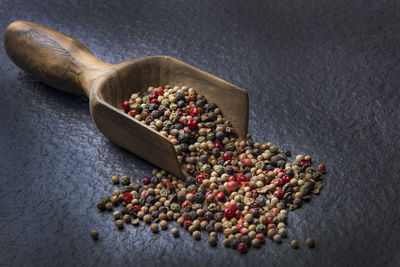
[323, 79]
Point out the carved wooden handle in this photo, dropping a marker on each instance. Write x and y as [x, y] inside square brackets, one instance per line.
[57, 60]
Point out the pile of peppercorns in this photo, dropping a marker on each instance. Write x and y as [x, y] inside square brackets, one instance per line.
[240, 188]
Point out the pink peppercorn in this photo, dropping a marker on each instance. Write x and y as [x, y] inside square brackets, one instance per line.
[279, 170]
[278, 193]
[228, 213]
[226, 156]
[128, 197]
[194, 112]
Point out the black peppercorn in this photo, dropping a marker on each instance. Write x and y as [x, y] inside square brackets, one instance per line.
[208, 216]
[218, 216]
[234, 243]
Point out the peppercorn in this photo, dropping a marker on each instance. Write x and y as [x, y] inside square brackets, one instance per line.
[126, 218]
[310, 242]
[135, 222]
[294, 243]
[94, 234]
[147, 218]
[242, 247]
[226, 242]
[196, 235]
[212, 241]
[175, 232]
[277, 238]
[234, 242]
[154, 227]
[125, 180]
[256, 243]
[115, 179]
[119, 224]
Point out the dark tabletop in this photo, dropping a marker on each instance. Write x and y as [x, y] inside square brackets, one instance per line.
[322, 79]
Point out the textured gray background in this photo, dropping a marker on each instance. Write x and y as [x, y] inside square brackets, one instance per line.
[322, 77]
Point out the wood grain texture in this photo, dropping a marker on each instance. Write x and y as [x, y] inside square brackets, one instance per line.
[64, 63]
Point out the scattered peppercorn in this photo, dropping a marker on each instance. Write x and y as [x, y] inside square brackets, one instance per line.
[235, 186]
[154, 227]
[164, 225]
[94, 234]
[196, 235]
[212, 241]
[115, 179]
[175, 232]
[294, 243]
[310, 242]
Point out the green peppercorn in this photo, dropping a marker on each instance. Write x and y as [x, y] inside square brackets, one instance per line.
[115, 179]
[175, 232]
[94, 234]
[125, 180]
[109, 206]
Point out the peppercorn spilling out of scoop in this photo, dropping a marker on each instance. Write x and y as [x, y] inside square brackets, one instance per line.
[239, 188]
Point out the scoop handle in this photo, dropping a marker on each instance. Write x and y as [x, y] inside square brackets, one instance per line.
[54, 58]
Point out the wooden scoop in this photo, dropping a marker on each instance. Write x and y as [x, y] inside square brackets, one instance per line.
[64, 63]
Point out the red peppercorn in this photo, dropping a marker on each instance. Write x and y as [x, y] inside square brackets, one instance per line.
[240, 225]
[228, 213]
[270, 220]
[231, 178]
[271, 226]
[125, 105]
[186, 204]
[146, 181]
[304, 162]
[187, 223]
[278, 193]
[144, 194]
[247, 161]
[241, 178]
[192, 191]
[136, 208]
[155, 101]
[153, 95]
[232, 205]
[279, 170]
[217, 145]
[199, 178]
[221, 196]
[238, 214]
[260, 237]
[244, 231]
[276, 182]
[192, 124]
[160, 91]
[210, 197]
[128, 197]
[286, 179]
[242, 247]
[321, 168]
[194, 112]
[201, 219]
[231, 186]
[133, 112]
[185, 129]
[183, 120]
[226, 156]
